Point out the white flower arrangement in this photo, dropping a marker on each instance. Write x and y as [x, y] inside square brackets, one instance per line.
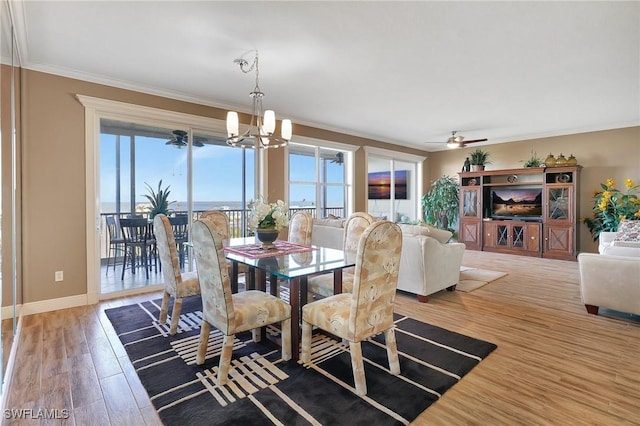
[263, 215]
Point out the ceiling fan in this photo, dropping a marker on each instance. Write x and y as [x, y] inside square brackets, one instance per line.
[458, 141]
[338, 159]
[181, 140]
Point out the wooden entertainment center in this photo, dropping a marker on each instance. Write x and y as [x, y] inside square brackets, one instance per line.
[530, 211]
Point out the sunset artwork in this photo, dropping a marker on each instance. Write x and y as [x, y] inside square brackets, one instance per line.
[380, 185]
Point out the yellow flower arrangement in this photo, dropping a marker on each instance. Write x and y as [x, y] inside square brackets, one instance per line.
[612, 206]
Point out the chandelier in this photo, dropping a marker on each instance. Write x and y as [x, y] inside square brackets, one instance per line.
[263, 123]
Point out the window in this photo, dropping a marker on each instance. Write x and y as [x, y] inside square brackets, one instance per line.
[319, 179]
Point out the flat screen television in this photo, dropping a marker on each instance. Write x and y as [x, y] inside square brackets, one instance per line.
[379, 184]
[516, 203]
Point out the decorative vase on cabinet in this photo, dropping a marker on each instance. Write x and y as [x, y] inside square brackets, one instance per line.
[550, 161]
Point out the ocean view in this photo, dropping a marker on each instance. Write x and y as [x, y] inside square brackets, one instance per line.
[110, 207]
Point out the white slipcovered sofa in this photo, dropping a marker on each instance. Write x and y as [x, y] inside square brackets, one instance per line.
[611, 279]
[328, 233]
[609, 245]
[611, 282]
[428, 262]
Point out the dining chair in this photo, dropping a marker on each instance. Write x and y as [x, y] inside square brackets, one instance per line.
[368, 310]
[220, 220]
[229, 312]
[139, 242]
[180, 225]
[300, 227]
[177, 284]
[116, 241]
[322, 285]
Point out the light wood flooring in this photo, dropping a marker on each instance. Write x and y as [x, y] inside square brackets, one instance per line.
[555, 364]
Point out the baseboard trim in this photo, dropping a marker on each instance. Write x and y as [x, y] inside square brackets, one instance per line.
[53, 304]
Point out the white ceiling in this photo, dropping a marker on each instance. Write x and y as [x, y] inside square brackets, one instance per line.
[400, 72]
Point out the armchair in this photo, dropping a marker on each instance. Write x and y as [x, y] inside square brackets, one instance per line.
[428, 263]
[610, 281]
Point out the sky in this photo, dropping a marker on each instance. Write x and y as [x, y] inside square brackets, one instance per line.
[217, 172]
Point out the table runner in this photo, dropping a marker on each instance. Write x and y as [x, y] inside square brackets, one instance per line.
[255, 251]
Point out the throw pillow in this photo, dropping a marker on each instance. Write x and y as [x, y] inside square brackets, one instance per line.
[628, 230]
[337, 223]
[441, 235]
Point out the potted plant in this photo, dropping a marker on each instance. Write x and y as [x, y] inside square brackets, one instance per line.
[159, 200]
[478, 159]
[442, 203]
[534, 161]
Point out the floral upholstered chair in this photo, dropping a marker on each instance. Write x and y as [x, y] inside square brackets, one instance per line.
[231, 313]
[300, 227]
[355, 225]
[221, 221]
[176, 283]
[368, 310]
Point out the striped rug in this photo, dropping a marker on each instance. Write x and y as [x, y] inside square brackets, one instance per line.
[264, 390]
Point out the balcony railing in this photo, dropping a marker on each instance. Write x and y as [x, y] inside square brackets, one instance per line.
[235, 220]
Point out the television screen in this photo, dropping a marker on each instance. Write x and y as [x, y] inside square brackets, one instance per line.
[379, 184]
[516, 202]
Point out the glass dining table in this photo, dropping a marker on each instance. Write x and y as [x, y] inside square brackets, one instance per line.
[294, 267]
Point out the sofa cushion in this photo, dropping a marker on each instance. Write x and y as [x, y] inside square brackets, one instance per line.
[628, 230]
[423, 229]
[336, 223]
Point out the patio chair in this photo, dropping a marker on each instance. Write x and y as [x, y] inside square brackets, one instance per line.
[116, 241]
[139, 244]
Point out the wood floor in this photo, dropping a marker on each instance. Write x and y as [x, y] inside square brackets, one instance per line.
[555, 364]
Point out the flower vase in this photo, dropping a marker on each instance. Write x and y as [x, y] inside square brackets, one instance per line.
[267, 236]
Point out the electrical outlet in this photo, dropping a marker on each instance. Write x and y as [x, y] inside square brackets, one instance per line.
[59, 276]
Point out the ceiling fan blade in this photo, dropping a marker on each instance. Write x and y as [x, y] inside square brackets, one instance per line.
[475, 140]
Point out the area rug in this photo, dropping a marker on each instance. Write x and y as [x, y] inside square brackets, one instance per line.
[264, 390]
[474, 278]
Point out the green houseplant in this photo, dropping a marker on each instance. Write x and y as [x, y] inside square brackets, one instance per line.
[159, 199]
[442, 203]
[534, 160]
[478, 159]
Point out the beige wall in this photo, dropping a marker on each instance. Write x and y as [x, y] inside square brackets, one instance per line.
[53, 178]
[605, 154]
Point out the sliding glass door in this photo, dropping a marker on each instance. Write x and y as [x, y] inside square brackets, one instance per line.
[393, 188]
[198, 169]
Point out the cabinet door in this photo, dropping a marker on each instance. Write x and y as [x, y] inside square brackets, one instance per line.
[532, 237]
[559, 241]
[503, 235]
[489, 236]
[470, 234]
[559, 206]
[470, 203]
